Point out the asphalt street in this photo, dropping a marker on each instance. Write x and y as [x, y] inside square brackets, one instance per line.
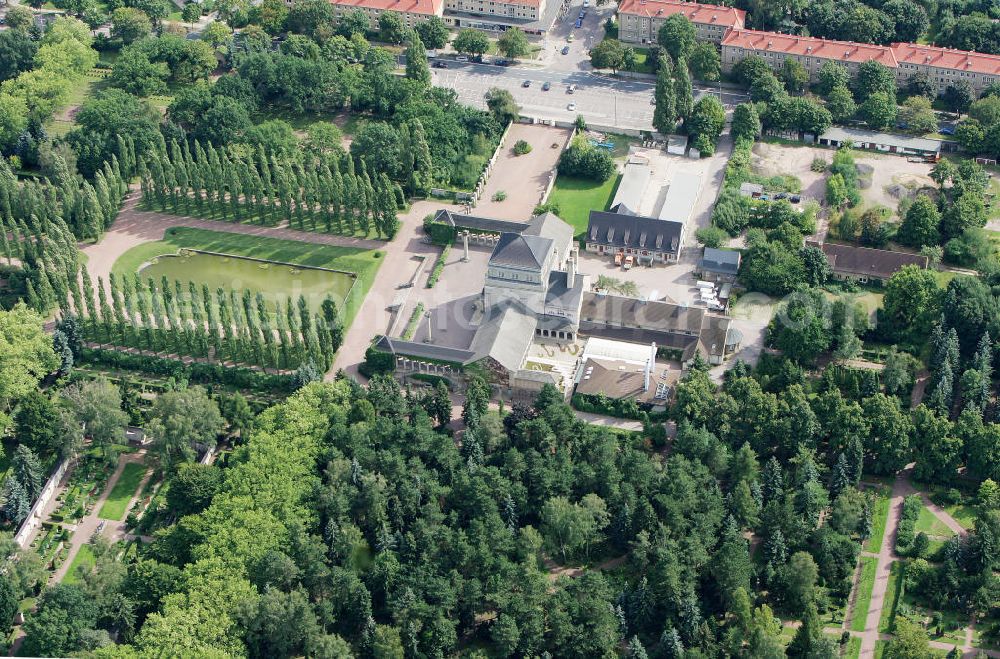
[601, 99]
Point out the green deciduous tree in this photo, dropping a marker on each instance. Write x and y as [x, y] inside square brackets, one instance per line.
[920, 224]
[182, 420]
[471, 41]
[746, 122]
[130, 24]
[677, 35]
[433, 32]
[704, 62]
[513, 43]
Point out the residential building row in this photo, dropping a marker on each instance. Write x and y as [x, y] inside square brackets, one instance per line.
[485, 14]
[640, 20]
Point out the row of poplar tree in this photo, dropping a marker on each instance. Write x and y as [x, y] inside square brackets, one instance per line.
[183, 319]
[315, 192]
[34, 232]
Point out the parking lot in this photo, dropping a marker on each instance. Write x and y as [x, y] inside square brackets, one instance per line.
[601, 101]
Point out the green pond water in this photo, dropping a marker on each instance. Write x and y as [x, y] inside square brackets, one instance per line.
[275, 281]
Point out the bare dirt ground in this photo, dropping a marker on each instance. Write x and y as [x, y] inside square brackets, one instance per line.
[778, 159]
[523, 178]
[893, 178]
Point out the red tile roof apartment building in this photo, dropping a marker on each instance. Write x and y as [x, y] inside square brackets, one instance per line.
[809, 51]
[411, 11]
[943, 66]
[946, 66]
[639, 21]
[529, 10]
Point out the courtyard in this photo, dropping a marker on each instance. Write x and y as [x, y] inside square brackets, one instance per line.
[523, 179]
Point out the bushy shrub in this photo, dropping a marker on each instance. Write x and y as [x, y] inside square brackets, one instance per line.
[586, 161]
[377, 361]
[521, 147]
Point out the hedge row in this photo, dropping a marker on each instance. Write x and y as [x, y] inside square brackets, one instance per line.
[906, 533]
[623, 408]
[197, 373]
[438, 266]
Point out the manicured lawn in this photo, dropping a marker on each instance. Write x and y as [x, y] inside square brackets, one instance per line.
[964, 514]
[880, 512]
[853, 650]
[865, 585]
[943, 277]
[363, 263]
[893, 593]
[115, 505]
[84, 559]
[928, 523]
[577, 197]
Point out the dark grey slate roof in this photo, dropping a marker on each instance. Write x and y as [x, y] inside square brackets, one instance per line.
[423, 350]
[618, 230]
[550, 225]
[559, 293]
[475, 223]
[663, 339]
[517, 251]
[866, 261]
[616, 310]
[725, 261]
[505, 334]
[621, 209]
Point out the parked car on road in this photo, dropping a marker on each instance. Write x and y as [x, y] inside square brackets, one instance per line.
[438, 64]
[546, 86]
[571, 107]
[571, 89]
[526, 83]
[461, 58]
[565, 50]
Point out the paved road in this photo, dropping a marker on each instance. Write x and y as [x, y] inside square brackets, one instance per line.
[601, 99]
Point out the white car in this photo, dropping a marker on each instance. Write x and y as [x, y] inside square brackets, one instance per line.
[586, 3]
[571, 107]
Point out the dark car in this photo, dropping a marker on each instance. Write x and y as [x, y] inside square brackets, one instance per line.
[795, 199]
[582, 15]
[526, 83]
[565, 50]
[546, 86]
[438, 64]
[781, 195]
[500, 62]
[579, 22]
